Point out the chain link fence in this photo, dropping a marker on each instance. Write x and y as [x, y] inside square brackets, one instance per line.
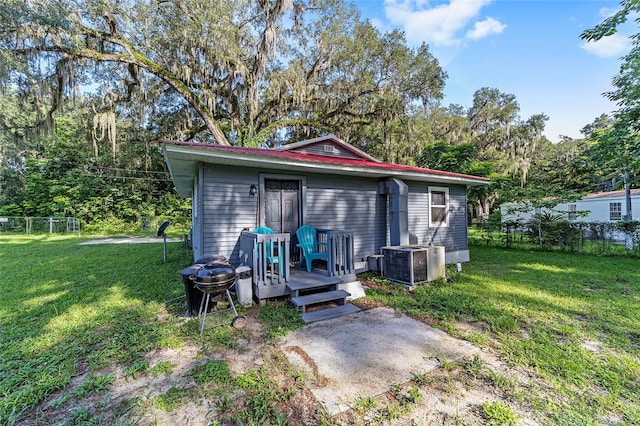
[600, 238]
[40, 225]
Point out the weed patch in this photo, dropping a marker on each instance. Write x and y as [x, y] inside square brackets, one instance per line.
[171, 399]
[279, 318]
[216, 372]
[499, 413]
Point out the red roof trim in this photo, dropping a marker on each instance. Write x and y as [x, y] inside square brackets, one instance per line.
[322, 159]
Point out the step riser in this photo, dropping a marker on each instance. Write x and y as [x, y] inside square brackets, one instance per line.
[340, 302]
[317, 294]
[315, 298]
[297, 287]
[330, 313]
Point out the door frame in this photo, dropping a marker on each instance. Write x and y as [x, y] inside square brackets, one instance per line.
[302, 182]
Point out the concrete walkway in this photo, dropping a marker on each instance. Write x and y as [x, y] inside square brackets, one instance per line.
[364, 354]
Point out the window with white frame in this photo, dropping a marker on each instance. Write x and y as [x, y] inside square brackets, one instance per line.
[573, 214]
[615, 211]
[438, 206]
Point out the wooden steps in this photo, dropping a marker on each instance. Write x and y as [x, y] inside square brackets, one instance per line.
[320, 293]
[317, 298]
[312, 283]
[325, 314]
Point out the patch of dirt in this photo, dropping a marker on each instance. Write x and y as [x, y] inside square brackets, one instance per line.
[365, 304]
[592, 346]
[450, 395]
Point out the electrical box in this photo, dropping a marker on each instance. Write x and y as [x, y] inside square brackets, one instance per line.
[413, 264]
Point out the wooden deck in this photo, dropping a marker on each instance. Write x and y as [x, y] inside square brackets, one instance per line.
[301, 280]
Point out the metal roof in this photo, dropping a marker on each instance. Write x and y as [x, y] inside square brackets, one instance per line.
[612, 194]
[183, 158]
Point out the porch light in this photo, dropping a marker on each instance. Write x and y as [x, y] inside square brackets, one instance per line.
[253, 190]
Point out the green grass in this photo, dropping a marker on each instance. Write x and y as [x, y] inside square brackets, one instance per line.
[71, 316]
[574, 320]
[66, 309]
[278, 319]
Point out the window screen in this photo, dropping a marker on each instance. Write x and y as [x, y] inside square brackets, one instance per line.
[438, 206]
[615, 211]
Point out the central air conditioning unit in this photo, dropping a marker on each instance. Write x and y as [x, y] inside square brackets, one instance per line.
[413, 264]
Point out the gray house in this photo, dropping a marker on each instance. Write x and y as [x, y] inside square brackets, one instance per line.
[357, 203]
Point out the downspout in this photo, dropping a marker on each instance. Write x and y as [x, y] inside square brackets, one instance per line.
[398, 193]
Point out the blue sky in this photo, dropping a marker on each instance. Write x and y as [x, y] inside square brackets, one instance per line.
[529, 48]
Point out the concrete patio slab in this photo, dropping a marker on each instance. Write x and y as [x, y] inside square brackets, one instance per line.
[364, 354]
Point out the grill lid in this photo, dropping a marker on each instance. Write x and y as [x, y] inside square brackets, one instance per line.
[215, 273]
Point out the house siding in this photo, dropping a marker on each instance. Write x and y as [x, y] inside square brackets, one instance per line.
[454, 236]
[596, 209]
[228, 209]
[331, 201]
[350, 204]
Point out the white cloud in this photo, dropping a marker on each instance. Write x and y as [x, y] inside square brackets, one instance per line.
[377, 23]
[484, 28]
[606, 47]
[440, 25]
[606, 12]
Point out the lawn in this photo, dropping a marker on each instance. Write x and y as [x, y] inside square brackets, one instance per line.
[573, 321]
[93, 335]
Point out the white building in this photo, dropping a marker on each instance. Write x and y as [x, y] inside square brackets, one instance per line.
[597, 207]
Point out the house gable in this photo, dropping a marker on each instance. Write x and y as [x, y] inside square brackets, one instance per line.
[329, 146]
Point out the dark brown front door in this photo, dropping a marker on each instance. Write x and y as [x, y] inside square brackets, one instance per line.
[282, 205]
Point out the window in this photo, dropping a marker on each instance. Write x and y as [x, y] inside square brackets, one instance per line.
[438, 206]
[573, 215]
[615, 211]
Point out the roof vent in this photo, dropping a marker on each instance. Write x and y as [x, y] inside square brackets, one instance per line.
[331, 149]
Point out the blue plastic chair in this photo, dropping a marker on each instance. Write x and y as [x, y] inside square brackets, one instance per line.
[308, 242]
[270, 258]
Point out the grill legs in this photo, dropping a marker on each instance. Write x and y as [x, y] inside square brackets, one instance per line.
[205, 304]
[205, 301]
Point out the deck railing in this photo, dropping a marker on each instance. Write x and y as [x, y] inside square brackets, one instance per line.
[260, 252]
[339, 245]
